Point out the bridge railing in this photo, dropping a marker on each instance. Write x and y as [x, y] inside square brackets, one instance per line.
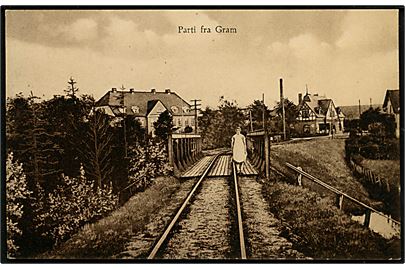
[184, 150]
[340, 196]
[258, 144]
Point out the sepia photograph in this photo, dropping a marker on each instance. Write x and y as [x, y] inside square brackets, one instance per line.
[189, 134]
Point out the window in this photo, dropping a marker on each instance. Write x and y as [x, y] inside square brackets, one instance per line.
[179, 122]
[185, 109]
[135, 109]
[186, 122]
[192, 122]
[174, 109]
[305, 113]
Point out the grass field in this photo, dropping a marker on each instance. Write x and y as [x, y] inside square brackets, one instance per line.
[322, 158]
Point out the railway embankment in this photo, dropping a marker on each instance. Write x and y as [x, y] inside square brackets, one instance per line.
[318, 229]
[139, 217]
[322, 158]
[312, 222]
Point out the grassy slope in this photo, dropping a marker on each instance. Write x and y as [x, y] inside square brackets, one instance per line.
[322, 158]
[320, 230]
[389, 170]
[109, 236]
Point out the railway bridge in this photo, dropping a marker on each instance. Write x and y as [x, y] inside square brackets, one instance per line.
[224, 214]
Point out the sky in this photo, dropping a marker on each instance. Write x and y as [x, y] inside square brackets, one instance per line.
[345, 55]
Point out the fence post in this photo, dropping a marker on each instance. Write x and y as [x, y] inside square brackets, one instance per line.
[367, 218]
[299, 179]
[339, 201]
[267, 155]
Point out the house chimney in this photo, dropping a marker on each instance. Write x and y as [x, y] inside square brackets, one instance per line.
[167, 91]
[114, 89]
[153, 90]
[131, 90]
[299, 98]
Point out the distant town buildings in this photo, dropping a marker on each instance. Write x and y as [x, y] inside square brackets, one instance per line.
[146, 106]
[392, 106]
[318, 115]
[353, 112]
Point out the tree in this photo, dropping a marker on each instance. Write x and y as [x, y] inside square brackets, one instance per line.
[72, 89]
[377, 123]
[164, 125]
[32, 142]
[16, 193]
[256, 110]
[209, 122]
[231, 118]
[290, 111]
[97, 149]
[63, 115]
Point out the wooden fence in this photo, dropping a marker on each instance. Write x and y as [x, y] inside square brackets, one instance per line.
[184, 150]
[340, 196]
[258, 144]
[371, 178]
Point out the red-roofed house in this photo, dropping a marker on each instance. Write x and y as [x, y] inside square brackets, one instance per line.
[146, 106]
[392, 105]
[318, 115]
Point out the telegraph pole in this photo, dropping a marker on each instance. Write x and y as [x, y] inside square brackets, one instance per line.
[263, 113]
[282, 106]
[251, 123]
[359, 108]
[196, 114]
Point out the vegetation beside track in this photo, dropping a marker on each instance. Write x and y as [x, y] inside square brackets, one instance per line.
[322, 158]
[320, 230]
[109, 236]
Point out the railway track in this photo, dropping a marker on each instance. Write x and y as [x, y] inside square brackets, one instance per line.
[160, 248]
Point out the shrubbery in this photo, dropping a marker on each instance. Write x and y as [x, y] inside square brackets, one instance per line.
[146, 163]
[16, 193]
[72, 205]
[373, 147]
[320, 230]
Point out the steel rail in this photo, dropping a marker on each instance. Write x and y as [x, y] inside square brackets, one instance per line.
[179, 212]
[239, 214]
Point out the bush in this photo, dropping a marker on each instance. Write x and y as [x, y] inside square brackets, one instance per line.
[373, 147]
[16, 193]
[146, 163]
[72, 205]
[320, 230]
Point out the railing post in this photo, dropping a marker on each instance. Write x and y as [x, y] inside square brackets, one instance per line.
[170, 150]
[339, 201]
[367, 218]
[267, 155]
[299, 178]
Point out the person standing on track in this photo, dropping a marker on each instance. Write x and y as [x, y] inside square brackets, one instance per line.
[238, 149]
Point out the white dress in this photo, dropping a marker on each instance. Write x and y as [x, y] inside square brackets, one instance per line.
[239, 148]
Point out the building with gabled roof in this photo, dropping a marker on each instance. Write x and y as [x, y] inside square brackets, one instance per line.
[392, 106]
[318, 115]
[146, 106]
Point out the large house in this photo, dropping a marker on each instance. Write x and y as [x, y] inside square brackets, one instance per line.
[318, 115]
[392, 106]
[146, 106]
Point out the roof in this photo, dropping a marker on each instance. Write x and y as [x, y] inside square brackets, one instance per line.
[352, 111]
[393, 96]
[141, 99]
[318, 104]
